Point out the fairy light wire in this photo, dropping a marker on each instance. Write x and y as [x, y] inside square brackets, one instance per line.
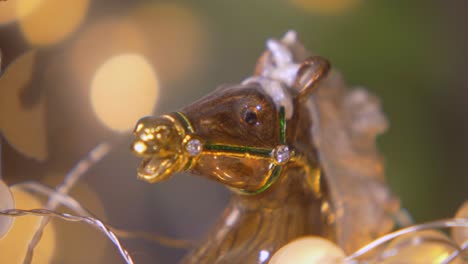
[72, 204]
[456, 253]
[457, 222]
[113, 233]
[69, 181]
[94, 222]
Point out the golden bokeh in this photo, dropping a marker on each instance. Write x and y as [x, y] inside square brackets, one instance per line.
[177, 37]
[51, 20]
[101, 41]
[124, 89]
[6, 202]
[9, 12]
[326, 7]
[23, 128]
[14, 245]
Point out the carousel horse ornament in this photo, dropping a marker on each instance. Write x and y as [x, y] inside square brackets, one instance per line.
[293, 143]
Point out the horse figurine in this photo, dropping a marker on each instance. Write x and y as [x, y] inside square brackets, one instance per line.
[295, 146]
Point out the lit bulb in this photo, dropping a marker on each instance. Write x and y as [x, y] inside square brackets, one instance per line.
[309, 250]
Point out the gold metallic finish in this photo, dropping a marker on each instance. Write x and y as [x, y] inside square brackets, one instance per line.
[315, 171]
[159, 142]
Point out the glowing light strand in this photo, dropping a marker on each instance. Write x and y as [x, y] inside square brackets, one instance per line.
[94, 222]
[425, 226]
[60, 196]
[94, 156]
[456, 253]
[72, 204]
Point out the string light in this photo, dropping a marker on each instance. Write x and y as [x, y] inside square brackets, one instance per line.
[303, 250]
[15, 244]
[96, 223]
[69, 182]
[60, 196]
[72, 204]
[412, 229]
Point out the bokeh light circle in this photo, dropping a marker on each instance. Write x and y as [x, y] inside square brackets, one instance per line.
[100, 41]
[8, 10]
[124, 89]
[51, 20]
[13, 247]
[16, 121]
[6, 202]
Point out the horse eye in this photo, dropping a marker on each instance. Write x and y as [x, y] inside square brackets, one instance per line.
[250, 117]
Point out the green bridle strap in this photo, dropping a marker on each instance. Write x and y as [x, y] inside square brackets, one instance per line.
[261, 152]
[282, 125]
[185, 122]
[275, 173]
[233, 150]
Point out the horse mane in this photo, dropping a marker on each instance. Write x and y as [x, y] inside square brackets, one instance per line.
[346, 123]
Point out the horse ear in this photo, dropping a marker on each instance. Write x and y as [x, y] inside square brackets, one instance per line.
[310, 73]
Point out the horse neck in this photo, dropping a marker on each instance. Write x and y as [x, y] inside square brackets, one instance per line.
[287, 210]
[263, 222]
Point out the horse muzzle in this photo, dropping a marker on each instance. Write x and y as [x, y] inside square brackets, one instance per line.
[159, 141]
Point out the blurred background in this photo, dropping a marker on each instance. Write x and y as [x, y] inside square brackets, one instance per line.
[77, 73]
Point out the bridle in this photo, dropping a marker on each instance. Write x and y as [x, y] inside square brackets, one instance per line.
[278, 157]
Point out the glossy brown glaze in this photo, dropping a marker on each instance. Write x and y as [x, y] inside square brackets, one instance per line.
[253, 227]
[298, 152]
[221, 118]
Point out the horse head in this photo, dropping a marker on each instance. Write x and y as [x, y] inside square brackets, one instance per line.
[248, 136]
[241, 135]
